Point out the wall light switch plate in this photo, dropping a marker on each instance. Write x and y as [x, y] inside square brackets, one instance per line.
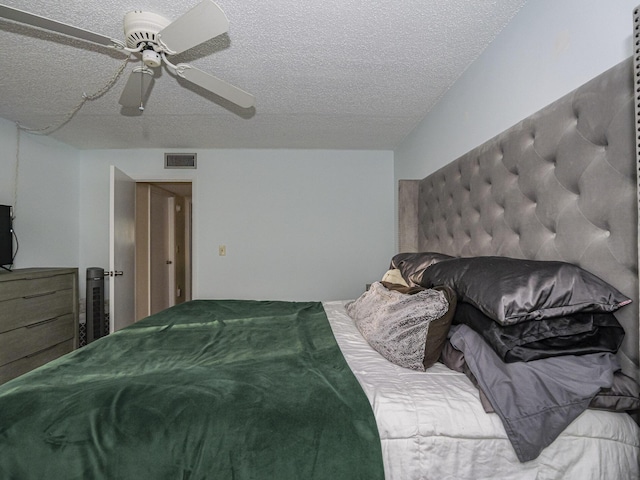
[222, 250]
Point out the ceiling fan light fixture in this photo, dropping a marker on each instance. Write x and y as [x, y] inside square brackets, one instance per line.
[151, 58]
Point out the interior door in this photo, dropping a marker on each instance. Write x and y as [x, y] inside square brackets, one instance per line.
[121, 250]
[161, 258]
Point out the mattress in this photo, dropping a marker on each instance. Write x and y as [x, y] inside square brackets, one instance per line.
[432, 425]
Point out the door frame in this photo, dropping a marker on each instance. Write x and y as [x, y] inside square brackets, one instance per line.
[141, 291]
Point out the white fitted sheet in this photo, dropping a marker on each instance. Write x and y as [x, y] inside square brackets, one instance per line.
[432, 425]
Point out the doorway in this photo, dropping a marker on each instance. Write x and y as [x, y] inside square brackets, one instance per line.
[163, 246]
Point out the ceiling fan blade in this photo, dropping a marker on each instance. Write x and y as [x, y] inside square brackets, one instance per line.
[203, 22]
[215, 85]
[138, 88]
[27, 18]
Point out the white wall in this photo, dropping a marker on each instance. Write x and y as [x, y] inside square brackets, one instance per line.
[7, 161]
[550, 48]
[47, 202]
[297, 224]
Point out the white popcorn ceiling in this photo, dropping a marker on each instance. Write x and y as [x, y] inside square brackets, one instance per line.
[336, 74]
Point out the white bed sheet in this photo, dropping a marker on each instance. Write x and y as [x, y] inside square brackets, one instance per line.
[432, 425]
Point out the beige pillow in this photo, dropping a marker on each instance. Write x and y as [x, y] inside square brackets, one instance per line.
[394, 276]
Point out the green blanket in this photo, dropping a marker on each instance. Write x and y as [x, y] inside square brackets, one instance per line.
[205, 390]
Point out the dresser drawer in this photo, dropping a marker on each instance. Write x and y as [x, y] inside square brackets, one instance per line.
[25, 364]
[34, 308]
[25, 341]
[38, 318]
[26, 286]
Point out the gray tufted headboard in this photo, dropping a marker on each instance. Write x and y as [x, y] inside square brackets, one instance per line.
[560, 185]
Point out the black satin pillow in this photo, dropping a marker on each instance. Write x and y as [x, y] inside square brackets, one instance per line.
[411, 263]
[576, 334]
[511, 290]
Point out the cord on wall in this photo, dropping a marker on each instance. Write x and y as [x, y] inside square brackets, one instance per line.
[85, 97]
[49, 129]
[16, 173]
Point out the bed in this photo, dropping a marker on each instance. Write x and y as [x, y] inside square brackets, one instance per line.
[290, 390]
[560, 186]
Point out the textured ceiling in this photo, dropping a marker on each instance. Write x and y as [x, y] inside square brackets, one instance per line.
[336, 74]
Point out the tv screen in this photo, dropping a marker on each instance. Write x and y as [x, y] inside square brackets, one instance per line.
[6, 236]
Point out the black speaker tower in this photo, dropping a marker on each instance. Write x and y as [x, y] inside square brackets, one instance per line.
[6, 237]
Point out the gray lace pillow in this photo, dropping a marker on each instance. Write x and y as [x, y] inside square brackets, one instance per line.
[397, 325]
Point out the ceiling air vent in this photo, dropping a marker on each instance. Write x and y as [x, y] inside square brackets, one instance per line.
[180, 160]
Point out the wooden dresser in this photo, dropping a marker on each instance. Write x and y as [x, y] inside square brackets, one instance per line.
[38, 318]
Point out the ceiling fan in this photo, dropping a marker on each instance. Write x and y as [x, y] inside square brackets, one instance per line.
[154, 38]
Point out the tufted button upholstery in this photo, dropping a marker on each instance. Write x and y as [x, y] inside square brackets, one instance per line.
[560, 185]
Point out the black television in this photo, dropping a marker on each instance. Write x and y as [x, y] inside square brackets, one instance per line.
[6, 236]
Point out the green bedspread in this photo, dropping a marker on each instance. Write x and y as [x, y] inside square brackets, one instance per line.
[205, 390]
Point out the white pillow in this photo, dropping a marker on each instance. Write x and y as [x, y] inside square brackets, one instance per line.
[394, 276]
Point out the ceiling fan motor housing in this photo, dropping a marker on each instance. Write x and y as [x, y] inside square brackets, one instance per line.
[142, 27]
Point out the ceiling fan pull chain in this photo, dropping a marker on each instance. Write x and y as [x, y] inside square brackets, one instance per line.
[141, 107]
[49, 129]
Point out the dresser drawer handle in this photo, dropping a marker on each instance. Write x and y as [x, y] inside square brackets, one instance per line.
[36, 295]
[42, 322]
